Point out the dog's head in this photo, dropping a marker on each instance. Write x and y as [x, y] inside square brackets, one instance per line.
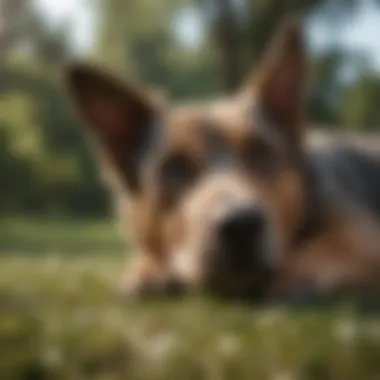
[213, 192]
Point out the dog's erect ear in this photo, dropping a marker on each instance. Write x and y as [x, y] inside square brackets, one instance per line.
[118, 117]
[281, 80]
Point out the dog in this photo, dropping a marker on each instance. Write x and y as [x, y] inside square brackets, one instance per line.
[229, 197]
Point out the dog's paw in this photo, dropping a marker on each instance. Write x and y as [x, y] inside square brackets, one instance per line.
[149, 287]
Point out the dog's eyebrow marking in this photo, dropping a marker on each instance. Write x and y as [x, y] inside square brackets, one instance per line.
[177, 169]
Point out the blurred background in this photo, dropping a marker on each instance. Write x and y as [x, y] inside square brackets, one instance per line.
[61, 256]
[193, 49]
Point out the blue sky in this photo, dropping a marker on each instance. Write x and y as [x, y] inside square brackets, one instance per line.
[361, 31]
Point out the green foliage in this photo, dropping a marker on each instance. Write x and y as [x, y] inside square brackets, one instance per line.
[137, 40]
[45, 166]
[360, 105]
[49, 236]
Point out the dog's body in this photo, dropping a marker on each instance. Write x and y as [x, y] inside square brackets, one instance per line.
[342, 247]
[229, 197]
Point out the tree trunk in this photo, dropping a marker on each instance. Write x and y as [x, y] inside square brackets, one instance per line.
[223, 27]
[226, 38]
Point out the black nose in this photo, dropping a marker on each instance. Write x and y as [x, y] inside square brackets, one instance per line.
[241, 228]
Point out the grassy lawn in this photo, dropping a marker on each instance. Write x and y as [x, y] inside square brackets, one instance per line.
[60, 319]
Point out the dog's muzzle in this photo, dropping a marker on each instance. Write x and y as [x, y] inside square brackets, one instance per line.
[241, 241]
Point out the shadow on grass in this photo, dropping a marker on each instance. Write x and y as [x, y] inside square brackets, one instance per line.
[363, 304]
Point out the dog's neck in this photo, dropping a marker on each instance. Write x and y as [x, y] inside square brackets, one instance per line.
[312, 217]
[311, 220]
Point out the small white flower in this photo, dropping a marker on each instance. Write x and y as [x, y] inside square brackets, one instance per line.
[269, 318]
[283, 376]
[114, 320]
[162, 346]
[345, 331]
[52, 357]
[157, 346]
[372, 330]
[229, 345]
[83, 316]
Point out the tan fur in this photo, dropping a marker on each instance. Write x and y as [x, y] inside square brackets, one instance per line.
[172, 232]
[344, 256]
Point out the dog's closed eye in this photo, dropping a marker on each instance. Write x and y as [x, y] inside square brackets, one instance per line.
[176, 173]
[260, 157]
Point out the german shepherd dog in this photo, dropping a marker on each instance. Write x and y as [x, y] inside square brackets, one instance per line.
[229, 197]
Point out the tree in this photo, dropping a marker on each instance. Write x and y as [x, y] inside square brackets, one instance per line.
[222, 17]
[44, 163]
[360, 104]
[137, 40]
[245, 27]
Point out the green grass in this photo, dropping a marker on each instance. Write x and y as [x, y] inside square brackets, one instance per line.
[62, 236]
[60, 319]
